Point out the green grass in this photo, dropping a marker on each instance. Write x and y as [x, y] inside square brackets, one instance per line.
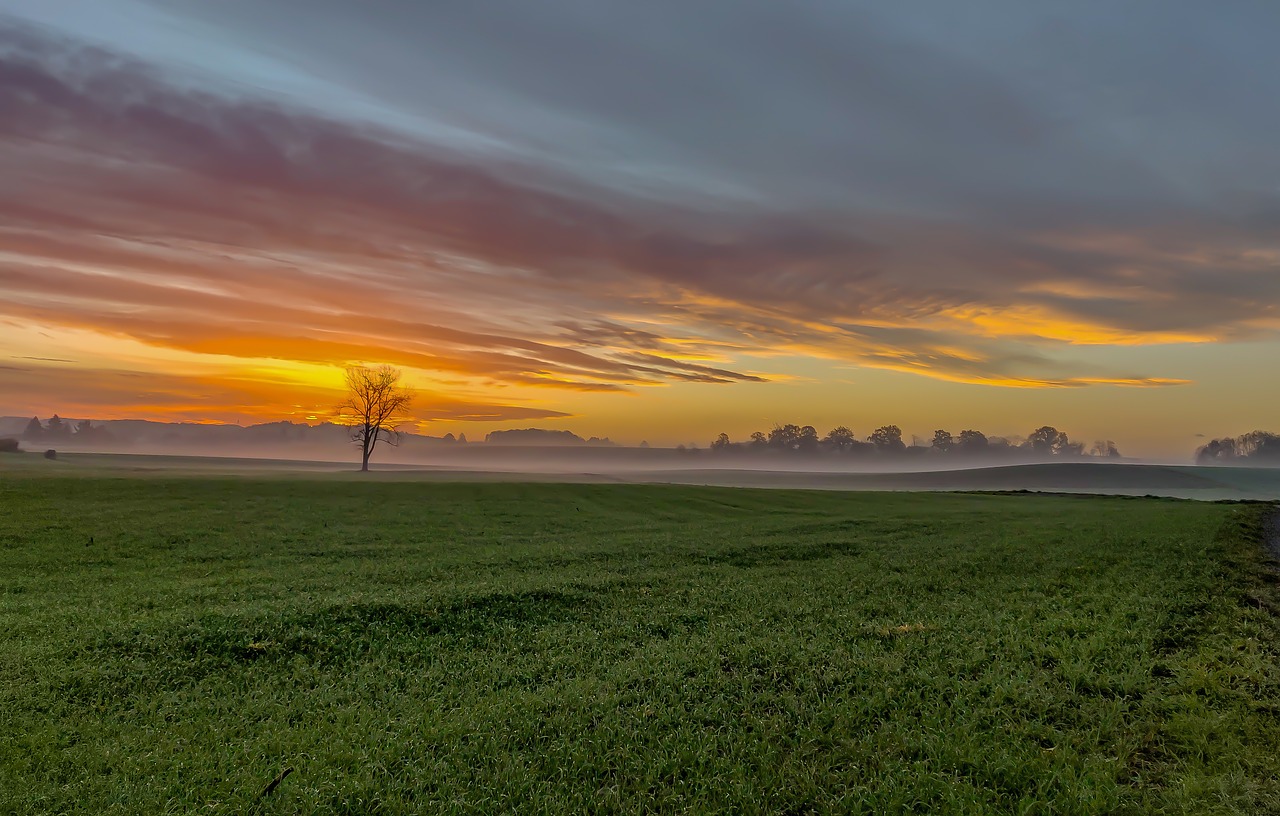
[171, 645]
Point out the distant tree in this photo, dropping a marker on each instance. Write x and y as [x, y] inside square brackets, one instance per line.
[887, 439]
[971, 442]
[807, 440]
[758, 440]
[462, 438]
[839, 439]
[1217, 451]
[1105, 449]
[533, 437]
[1047, 440]
[644, 443]
[943, 441]
[1255, 445]
[784, 437]
[1071, 449]
[8, 445]
[376, 404]
[55, 428]
[34, 429]
[722, 443]
[87, 432]
[1268, 448]
[1258, 444]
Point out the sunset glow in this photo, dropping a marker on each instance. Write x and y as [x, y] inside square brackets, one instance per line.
[207, 212]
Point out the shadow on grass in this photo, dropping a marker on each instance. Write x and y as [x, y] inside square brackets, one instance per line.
[140, 662]
[763, 555]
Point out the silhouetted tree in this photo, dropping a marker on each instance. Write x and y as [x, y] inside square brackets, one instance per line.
[1257, 444]
[34, 429]
[375, 405]
[807, 440]
[1105, 449]
[1047, 440]
[759, 440]
[87, 432]
[971, 442]
[784, 437]
[887, 439]
[55, 428]
[840, 439]
[1268, 448]
[722, 443]
[1217, 450]
[943, 441]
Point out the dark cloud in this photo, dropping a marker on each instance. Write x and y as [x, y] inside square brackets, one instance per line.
[716, 180]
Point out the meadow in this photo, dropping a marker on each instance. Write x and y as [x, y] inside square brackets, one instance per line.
[174, 644]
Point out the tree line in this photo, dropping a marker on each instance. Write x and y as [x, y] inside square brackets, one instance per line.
[887, 441]
[1257, 446]
[57, 429]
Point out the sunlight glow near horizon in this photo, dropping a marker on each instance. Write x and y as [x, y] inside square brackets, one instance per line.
[210, 211]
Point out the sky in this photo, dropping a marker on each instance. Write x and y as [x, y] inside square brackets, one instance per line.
[650, 221]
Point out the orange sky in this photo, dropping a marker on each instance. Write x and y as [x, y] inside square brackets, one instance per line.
[196, 227]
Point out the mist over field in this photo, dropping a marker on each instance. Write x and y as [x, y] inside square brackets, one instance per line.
[284, 448]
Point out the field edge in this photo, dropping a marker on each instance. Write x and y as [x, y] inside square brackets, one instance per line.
[1224, 684]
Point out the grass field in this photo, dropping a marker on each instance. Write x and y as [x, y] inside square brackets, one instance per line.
[171, 645]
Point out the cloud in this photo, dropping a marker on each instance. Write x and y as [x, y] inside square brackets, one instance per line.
[939, 221]
[152, 395]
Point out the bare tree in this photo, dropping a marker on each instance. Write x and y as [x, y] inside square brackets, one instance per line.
[376, 403]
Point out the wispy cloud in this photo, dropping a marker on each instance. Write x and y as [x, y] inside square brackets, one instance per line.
[947, 225]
